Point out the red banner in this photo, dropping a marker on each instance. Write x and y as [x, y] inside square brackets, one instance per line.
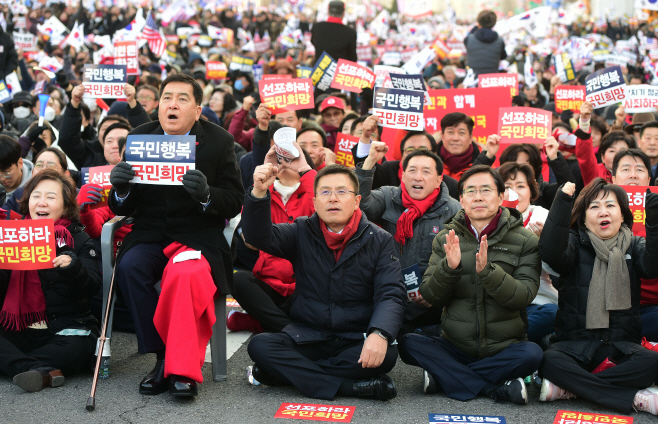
[352, 77]
[636, 199]
[500, 80]
[572, 417]
[569, 97]
[280, 95]
[343, 149]
[524, 125]
[440, 49]
[481, 104]
[216, 70]
[27, 244]
[101, 175]
[308, 411]
[125, 53]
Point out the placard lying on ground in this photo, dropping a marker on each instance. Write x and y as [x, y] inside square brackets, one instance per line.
[401, 109]
[27, 244]
[636, 200]
[161, 159]
[572, 417]
[343, 149]
[641, 98]
[524, 125]
[101, 175]
[312, 412]
[280, 95]
[569, 97]
[105, 81]
[605, 87]
[448, 419]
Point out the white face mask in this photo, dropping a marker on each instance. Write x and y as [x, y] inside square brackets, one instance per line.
[49, 114]
[21, 112]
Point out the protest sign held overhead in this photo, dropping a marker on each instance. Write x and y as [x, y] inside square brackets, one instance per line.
[27, 244]
[352, 77]
[605, 87]
[241, 63]
[343, 149]
[125, 53]
[216, 70]
[286, 94]
[569, 97]
[524, 125]
[641, 98]
[500, 80]
[101, 175]
[323, 72]
[637, 196]
[105, 81]
[161, 159]
[401, 109]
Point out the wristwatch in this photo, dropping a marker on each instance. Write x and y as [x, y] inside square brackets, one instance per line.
[379, 333]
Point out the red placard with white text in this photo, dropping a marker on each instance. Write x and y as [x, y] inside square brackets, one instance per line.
[276, 76]
[636, 199]
[569, 97]
[280, 95]
[125, 53]
[524, 125]
[481, 104]
[313, 412]
[101, 175]
[343, 149]
[500, 80]
[216, 70]
[573, 417]
[352, 77]
[27, 244]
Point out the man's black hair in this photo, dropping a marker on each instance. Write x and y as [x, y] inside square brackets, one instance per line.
[196, 88]
[10, 152]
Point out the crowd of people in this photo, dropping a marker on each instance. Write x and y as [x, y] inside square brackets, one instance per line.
[524, 258]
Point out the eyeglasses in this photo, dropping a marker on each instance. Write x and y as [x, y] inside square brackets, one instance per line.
[6, 175]
[40, 165]
[413, 149]
[484, 191]
[341, 194]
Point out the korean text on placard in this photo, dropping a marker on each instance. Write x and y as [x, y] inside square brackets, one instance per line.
[161, 159]
[402, 109]
[27, 244]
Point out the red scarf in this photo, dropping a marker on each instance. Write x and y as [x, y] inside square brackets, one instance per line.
[527, 220]
[337, 242]
[335, 20]
[456, 163]
[400, 172]
[415, 209]
[25, 303]
[489, 229]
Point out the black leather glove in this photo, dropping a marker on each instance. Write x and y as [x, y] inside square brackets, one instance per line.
[34, 134]
[120, 178]
[72, 269]
[197, 185]
[651, 208]
[62, 80]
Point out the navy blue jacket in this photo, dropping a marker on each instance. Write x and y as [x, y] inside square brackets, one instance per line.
[361, 292]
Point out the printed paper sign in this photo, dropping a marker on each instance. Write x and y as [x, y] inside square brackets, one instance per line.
[161, 159]
[5, 94]
[417, 62]
[125, 53]
[101, 175]
[216, 70]
[258, 73]
[481, 104]
[448, 419]
[440, 49]
[570, 97]
[382, 75]
[500, 80]
[392, 58]
[280, 95]
[323, 72]
[524, 125]
[304, 71]
[401, 109]
[407, 82]
[352, 77]
[27, 244]
[105, 81]
[364, 53]
[605, 87]
[241, 63]
[231, 302]
[572, 417]
[25, 41]
[312, 412]
[636, 200]
[343, 149]
[412, 278]
[641, 98]
[564, 67]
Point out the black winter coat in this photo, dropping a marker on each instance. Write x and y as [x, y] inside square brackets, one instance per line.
[360, 292]
[8, 55]
[563, 174]
[338, 40]
[67, 291]
[570, 253]
[169, 213]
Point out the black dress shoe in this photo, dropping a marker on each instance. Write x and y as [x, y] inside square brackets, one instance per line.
[264, 378]
[155, 382]
[182, 387]
[36, 379]
[380, 388]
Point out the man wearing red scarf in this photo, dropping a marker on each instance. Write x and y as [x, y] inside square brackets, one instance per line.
[338, 40]
[413, 213]
[349, 297]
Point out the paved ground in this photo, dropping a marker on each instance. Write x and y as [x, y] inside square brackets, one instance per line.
[235, 401]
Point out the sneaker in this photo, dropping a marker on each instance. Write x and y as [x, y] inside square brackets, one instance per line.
[550, 392]
[242, 321]
[511, 390]
[646, 401]
[649, 345]
[429, 385]
[250, 376]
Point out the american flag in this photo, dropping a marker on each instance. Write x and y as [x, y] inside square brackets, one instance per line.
[156, 39]
[652, 43]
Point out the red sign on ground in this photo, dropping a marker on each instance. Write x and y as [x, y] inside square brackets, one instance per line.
[572, 417]
[27, 244]
[306, 411]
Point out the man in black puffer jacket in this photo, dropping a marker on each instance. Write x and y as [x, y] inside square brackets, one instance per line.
[484, 48]
[348, 284]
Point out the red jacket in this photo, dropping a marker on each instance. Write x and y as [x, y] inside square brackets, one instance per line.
[589, 167]
[93, 220]
[277, 272]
